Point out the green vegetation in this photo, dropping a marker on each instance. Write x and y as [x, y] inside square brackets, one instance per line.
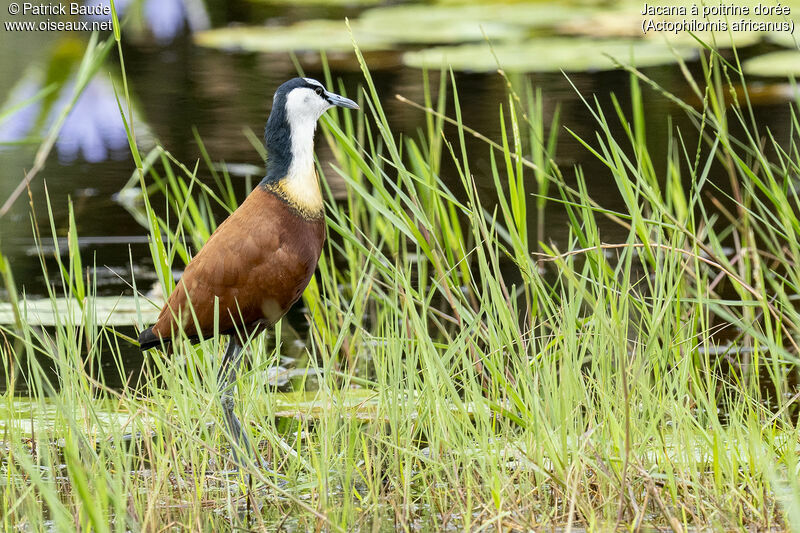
[463, 380]
[554, 54]
[330, 35]
[775, 64]
[541, 36]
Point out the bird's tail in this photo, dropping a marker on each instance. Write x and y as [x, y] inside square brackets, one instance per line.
[148, 339]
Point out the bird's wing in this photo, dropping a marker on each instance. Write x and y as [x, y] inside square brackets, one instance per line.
[224, 271]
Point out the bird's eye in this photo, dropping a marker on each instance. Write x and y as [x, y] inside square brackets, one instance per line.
[318, 90]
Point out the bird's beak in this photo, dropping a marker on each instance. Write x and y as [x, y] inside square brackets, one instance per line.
[341, 101]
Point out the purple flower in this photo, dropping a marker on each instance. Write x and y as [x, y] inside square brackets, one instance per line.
[93, 127]
[166, 19]
[18, 124]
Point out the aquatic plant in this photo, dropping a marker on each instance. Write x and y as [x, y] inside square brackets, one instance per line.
[463, 379]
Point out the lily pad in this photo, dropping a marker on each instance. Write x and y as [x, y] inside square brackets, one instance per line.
[783, 38]
[765, 93]
[549, 55]
[618, 24]
[37, 417]
[454, 24]
[625, 19]
[434, 31]
[108, 310]
[716, 40]
[398, 19]
[361, 404]
[780, 64]
[358, 404]
[312, 35]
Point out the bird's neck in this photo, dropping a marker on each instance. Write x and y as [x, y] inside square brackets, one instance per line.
[291, 173]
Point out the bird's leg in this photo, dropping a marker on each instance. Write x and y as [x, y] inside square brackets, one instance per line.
[226, 378]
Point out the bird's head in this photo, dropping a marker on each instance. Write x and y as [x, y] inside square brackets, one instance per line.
[303, 100]
[289, 135]
[296, 107]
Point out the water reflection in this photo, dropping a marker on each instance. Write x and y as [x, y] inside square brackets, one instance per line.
[92, 131]
[221, 94]
[163, 19]
[17, 125]
[94, 128]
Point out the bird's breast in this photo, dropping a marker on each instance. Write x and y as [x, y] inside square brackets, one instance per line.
[290, 245]
[252, 269]
[300, 189]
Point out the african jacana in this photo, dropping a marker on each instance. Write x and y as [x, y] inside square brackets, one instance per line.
[260, 259]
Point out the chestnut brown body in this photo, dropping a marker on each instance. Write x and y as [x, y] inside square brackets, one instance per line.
[253, 267]
[258, 262]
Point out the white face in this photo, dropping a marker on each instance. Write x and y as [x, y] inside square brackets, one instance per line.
[305, 105]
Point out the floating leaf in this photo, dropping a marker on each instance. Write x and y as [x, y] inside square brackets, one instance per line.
[362, 404]
[358, 404]
[603, 25]
[764, 93]
[625, 19]
[312, 35]
[462, 23]
[108, 310]
[625, 24]
[780, 64]
[437, 17]
[549, 55]
[783, 38]
[717, 40]
[433, 31]
[39, 416]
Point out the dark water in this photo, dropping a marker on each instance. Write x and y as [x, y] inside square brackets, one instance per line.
[180, 86]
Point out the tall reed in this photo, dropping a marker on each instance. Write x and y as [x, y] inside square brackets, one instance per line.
[469, 373]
